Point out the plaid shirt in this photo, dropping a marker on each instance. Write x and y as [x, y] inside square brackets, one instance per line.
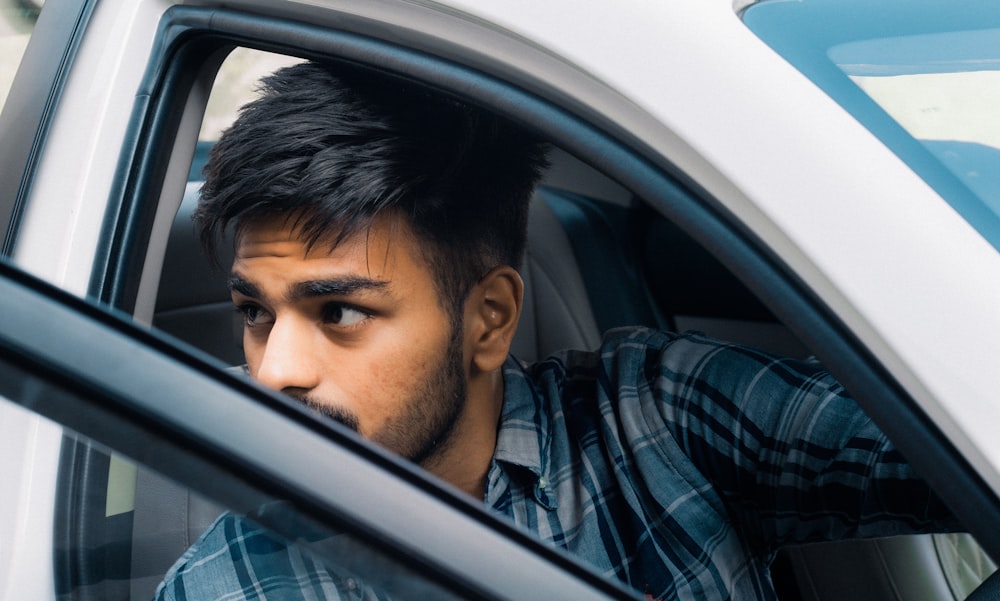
[674, 463]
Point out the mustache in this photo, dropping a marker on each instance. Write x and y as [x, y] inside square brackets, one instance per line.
[330, 410]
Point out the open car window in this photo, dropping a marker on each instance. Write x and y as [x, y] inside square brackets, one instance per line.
[608, 230]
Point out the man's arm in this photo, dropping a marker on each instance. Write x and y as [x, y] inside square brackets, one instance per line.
[792, 456]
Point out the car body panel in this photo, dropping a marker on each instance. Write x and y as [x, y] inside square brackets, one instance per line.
[92, 117]
[684, 83]
[30, 447]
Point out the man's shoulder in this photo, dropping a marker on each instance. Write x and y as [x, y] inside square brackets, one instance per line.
[629, 359]
[640, 358]
[237, 559]
[625, 349]
[615, 340]
[207, 556]
[639, 337]
[571, 374]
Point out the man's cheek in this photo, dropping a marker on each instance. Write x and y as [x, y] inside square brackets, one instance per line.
[251, 354]
[386, 382]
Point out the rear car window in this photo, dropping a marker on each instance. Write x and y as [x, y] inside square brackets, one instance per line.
[923, 76]
[944, 90]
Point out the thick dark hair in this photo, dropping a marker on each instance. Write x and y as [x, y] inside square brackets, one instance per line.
[335, 146]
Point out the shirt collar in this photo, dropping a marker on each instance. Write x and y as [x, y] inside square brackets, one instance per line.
[524, 437]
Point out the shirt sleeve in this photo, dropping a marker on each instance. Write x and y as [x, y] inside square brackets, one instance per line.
[791, 455]
[238, 560]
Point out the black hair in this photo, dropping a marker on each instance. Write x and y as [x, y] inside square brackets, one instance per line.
[335, 146]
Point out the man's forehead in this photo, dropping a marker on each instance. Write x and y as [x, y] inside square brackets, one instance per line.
[275, 252]
[290, 236]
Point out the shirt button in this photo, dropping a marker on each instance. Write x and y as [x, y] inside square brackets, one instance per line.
[352, 584]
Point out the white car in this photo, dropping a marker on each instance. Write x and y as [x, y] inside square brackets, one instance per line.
[814, 177]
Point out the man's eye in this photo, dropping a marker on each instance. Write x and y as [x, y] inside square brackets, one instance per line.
[343, 315]
[253, 315]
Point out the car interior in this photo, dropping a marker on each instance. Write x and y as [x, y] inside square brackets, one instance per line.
[598, 258]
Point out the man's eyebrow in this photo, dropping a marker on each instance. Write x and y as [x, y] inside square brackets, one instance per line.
[336, 287]
[238, 284]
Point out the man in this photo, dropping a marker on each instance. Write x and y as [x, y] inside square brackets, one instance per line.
[378, 230]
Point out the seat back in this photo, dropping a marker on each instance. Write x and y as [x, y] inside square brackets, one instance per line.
[192, 301]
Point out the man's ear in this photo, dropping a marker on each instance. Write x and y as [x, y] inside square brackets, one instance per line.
[491, 315]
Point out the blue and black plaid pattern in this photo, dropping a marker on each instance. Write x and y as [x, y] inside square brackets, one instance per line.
[238, 560]
[680, 465]
[674, 463]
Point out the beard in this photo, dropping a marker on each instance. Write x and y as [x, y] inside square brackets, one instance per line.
[425, 424]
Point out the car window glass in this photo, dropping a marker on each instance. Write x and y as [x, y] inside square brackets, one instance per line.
[17, 20]
[235, 85]
[119, 526]
[923, 76]
[942, 88]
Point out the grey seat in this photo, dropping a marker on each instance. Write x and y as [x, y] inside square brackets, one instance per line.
[939, 567]
[192, 301]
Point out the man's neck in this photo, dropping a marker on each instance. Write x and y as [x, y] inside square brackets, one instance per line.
[465, 462]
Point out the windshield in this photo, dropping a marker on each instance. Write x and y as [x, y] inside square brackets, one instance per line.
[923, 75]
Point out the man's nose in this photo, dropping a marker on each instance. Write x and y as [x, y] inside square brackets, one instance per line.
[289, 362]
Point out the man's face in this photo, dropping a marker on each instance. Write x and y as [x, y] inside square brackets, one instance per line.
[357, 333]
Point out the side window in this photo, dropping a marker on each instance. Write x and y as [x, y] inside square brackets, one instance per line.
[593, 260]
[17, 21]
